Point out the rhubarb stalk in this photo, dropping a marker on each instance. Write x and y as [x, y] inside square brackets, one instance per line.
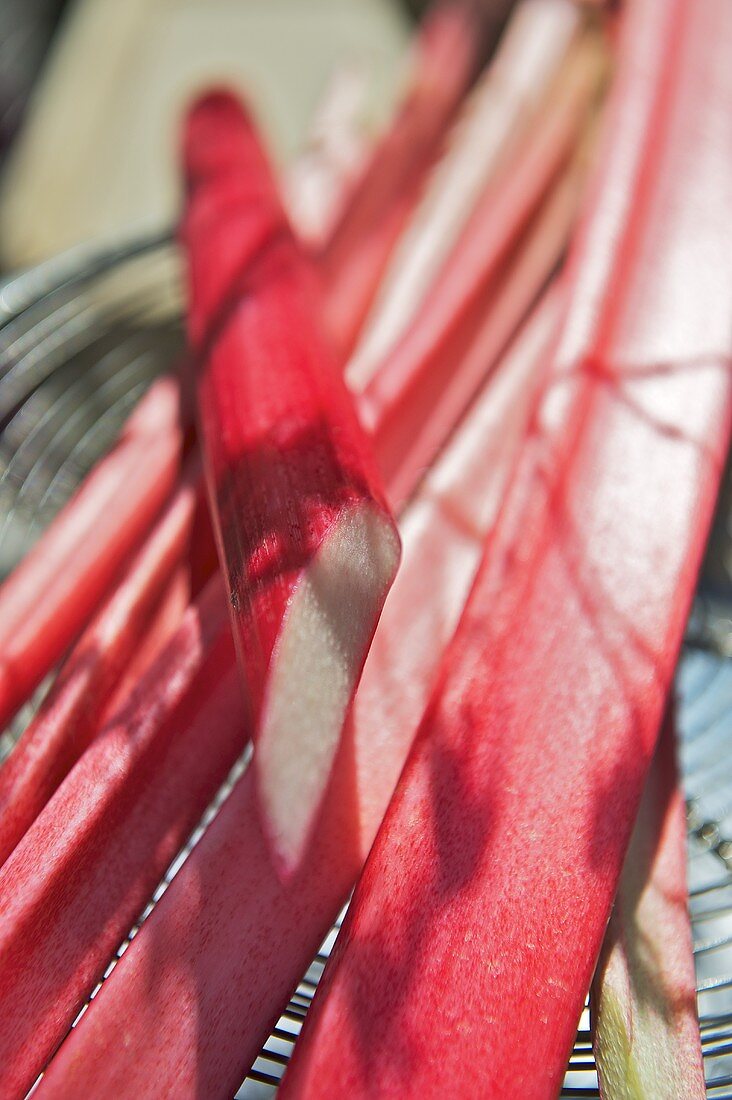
[214, 999]
[307, 545]
[484, 901]
[421, 368]
[163, 624]
[494, 118]
[69, 716]
[450, 45]
[319, 182]
[438, 399]
[80, 876]
[643, 1004]
[49, 597]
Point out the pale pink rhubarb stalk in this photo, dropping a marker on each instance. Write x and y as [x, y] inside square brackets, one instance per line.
[49, 597]
[202, 1019]
[447, 53]
[403, 395]
[495, 117]
[645, 1023]
[318, 183]
[308, 548]
[70, 715]
[484, 901]
[437, 400]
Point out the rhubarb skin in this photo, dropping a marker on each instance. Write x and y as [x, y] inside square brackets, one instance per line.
[50, 596]
[80, 876]
[450, 45]
[407, 446]
[643, 1000]
[163, 624]
[397, 402]
[70, 715]
[492, 122]
[307, 544]
[484, 901]
[318, 185]
[201, 1023]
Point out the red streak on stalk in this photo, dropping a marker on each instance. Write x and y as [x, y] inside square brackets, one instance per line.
[484, 901]
[82, 873]
[47, 600]
[70, 715]
[202, 983]
[448, 50]
[646, 1028]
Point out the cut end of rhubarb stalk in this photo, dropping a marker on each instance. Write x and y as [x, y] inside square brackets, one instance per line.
[316, 664]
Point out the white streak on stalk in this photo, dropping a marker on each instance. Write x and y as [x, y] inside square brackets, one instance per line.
[531, 54]
[316, 665]
[317, 183]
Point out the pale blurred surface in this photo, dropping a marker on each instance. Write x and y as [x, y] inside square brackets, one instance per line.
[96, 156]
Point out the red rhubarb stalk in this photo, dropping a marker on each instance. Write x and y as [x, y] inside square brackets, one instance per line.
[484, 901]
[82, 873]
[646, 1028]
[48, 599]
[70, 715]
[421, 368]
[307, 545]
[493, 120]
[449, 47]
[214, 999]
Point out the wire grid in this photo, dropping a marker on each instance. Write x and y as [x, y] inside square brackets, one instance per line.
[80, 340]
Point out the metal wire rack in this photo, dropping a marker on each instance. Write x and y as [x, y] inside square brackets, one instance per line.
[81, 337]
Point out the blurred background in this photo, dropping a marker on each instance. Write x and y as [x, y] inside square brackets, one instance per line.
[91, 90]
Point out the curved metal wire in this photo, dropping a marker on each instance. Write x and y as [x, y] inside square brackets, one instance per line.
[80, 339]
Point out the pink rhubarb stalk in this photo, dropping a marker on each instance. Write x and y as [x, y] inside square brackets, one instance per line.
[214, 999]
[82, 873]
[646, 1028]
[69, 716]
[421, 367]
[438, 400]
[448, 50]
[308, 547]
[161, 627]
[49, 597]
[484, 901]
[494, 119]
[319, 182]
